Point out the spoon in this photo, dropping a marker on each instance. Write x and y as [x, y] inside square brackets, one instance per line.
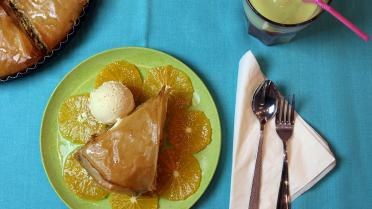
[264, 105]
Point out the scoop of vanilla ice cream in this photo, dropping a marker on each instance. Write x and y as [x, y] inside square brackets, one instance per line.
[110, 101]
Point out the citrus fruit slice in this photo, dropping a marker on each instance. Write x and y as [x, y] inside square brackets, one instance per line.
[78, 180]
[76, 123]
[126, 201]
[189, 131]
[124, 72]
[178, 83]
[179, 175]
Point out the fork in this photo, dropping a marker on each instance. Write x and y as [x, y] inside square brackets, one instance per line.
[284, 121]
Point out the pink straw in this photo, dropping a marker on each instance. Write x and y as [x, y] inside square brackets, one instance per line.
[341, 18]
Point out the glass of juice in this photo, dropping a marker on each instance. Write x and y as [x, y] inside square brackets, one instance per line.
[278, 21]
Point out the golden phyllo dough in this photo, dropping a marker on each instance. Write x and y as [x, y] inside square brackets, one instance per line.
[17, 51]
[124, 159]
[30, 29]
[49, 20]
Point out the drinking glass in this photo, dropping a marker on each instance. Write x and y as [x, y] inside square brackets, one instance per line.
[270, 32]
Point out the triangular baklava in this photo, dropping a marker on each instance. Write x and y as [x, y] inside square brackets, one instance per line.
[124, 159]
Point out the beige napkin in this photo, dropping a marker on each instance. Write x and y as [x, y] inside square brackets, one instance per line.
[310, 158]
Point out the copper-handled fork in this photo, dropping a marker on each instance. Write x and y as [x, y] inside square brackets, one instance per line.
[284, 127]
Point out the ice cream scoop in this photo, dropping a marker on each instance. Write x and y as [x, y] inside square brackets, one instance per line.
[110, 101]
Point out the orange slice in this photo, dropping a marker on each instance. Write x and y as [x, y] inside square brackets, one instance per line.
[76, 123]
[179, 84]
[179, 176]
[124, 72]
[78, 180]
[189, 131]
[126, 201]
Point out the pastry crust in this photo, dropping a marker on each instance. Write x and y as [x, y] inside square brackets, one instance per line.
[17, 51]
[30, 29]
[124, 159]
[47, 21]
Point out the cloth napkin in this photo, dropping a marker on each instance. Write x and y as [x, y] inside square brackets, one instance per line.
[310, 158]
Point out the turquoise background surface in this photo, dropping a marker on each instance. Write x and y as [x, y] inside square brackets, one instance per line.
[326, 66]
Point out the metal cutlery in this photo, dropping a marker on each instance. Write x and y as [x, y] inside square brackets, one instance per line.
[284, 121]
[264, 105]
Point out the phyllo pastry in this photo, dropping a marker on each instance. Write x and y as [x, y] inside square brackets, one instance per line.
[48, 22]
[16, 49]
[124, 159]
